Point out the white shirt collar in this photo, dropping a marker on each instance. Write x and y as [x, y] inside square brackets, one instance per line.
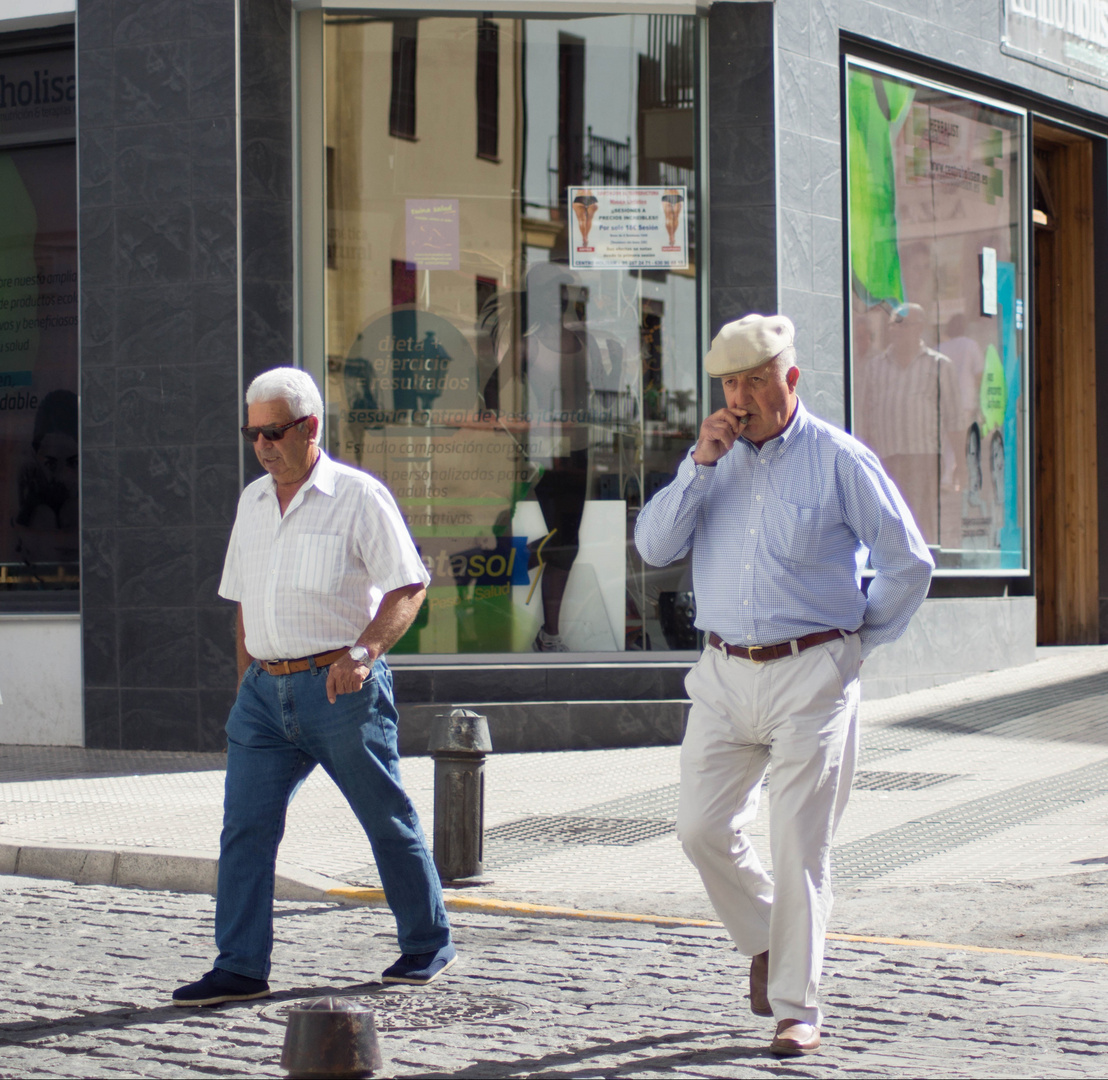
[323, 477]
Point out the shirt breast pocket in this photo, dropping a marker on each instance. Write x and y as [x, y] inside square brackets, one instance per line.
[317, 562]
[794, 532]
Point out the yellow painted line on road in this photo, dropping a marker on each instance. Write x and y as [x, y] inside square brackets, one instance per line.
[914, 944]
[483, 906]
[474, 905]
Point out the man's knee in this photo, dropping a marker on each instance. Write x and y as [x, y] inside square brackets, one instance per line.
[701, 834]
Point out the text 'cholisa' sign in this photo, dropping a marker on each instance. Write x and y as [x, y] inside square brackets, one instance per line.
[38, 96]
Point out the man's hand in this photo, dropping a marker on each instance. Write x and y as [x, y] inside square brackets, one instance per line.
[396, 612]
[718, 434]
[345, 677]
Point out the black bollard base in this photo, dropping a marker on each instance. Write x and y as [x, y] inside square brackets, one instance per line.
[331, 1037]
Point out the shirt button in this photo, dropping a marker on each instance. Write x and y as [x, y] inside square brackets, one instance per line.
[745, 602]
[758, 497]
[762, 460]
[751, 532]
[749, 637]
[748, 566]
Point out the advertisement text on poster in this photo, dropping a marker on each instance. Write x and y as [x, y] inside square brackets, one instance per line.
[630, 228]
[431, 233]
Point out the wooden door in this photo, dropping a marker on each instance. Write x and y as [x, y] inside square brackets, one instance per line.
[1066, 550]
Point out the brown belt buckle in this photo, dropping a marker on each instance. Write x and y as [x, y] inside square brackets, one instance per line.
[758, 648]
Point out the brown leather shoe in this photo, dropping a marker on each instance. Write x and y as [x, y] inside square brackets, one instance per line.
[794, 1038]
[759, 983]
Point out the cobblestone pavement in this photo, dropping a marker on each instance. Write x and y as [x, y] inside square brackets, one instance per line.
[88, 970]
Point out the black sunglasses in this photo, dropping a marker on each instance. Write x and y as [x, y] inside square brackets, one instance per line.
[272, 432]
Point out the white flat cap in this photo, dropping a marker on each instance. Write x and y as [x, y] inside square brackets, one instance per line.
[748, 343]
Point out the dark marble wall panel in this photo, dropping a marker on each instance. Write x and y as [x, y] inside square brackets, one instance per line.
[444, 687]
[574, 725]
[159, 358]
[267, 214]
[741, 161]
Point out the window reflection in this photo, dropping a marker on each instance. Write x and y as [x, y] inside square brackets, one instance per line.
[39, 496]
[937, 299]
[520, 407]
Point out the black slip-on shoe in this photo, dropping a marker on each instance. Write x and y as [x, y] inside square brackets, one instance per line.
[219, 986]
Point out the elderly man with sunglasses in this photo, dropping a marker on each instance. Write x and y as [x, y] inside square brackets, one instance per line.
[779, 510]
[327, 580]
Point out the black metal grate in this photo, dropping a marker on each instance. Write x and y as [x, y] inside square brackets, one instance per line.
[900, 781]
[554, 829]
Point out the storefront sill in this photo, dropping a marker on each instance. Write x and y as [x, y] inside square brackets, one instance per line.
[40, 616]
[447, 662]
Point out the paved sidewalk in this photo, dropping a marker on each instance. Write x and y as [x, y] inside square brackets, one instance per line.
[1002, 778]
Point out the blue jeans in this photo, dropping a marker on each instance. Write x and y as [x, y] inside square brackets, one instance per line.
[279, 728]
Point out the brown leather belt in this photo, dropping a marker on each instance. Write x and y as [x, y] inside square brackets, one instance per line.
[291, 667]
[761, 653]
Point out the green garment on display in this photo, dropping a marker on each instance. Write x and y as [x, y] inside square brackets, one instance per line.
[876, 110]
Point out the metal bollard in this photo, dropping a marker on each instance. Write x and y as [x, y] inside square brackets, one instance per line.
[331, 1036]
[459, 742]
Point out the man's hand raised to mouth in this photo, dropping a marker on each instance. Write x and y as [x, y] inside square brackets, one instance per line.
[718, 434]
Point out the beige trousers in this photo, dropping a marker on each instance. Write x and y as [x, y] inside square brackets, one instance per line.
[799, 716]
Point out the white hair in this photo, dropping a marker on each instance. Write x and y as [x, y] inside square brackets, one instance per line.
[784, 360]
[291, 385]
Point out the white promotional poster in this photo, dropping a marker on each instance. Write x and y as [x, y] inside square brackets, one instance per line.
[629, 228]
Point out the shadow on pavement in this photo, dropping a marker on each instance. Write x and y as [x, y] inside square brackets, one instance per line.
[980, 716]
[22, 1032]
[536, 1067]
[22, 764]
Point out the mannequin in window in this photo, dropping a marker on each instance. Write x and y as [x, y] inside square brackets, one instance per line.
[543, 396]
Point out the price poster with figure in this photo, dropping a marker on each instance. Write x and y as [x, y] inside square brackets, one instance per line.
[628, 228]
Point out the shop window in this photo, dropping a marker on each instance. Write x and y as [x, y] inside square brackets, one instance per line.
[402, 102]
[515, 350]
[39, 431]
[938, 286]
[488, 89]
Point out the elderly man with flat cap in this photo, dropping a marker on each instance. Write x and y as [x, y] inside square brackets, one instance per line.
[780, 510]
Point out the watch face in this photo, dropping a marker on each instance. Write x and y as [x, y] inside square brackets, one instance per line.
[359, 653]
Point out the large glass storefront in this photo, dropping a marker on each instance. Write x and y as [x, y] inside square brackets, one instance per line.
[938, 286]
[513, 313]
[39, 548]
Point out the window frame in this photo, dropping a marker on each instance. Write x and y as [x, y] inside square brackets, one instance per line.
[852, 60]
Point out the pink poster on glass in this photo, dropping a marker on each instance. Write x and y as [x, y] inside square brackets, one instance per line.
[431, 233]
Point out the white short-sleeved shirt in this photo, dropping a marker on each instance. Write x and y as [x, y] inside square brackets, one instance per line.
[312, 580]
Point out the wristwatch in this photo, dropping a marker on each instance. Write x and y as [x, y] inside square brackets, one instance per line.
[359, 654]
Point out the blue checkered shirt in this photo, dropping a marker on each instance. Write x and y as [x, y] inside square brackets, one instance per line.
[780, 535]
